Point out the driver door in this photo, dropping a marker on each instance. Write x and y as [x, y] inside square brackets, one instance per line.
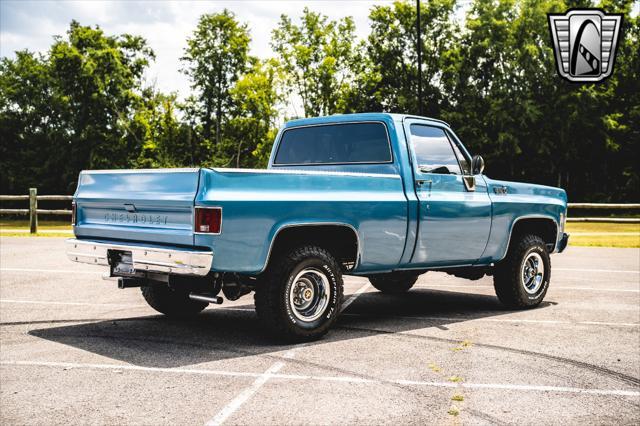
[455, 209]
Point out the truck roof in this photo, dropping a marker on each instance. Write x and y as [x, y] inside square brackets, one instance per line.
[364, 116]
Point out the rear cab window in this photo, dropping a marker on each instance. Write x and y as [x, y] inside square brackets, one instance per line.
[336, 143]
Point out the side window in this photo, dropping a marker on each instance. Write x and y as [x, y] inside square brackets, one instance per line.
[433, 150]
[464, 164]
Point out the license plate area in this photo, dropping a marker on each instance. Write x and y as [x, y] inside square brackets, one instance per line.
[121, 263]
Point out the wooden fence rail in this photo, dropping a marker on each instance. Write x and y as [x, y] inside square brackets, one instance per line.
[33, 211]
[608, 206]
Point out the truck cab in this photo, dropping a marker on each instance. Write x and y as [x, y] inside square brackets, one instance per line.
[385, 196]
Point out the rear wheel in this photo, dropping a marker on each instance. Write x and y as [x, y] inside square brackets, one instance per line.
[394, 282]
[172, 303]
[521, 280]
[299, 297]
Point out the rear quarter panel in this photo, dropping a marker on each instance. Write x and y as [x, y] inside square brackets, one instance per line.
[257, 204]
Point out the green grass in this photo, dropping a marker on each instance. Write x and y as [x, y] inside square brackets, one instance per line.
[39, 234]
[631, 239]
[20, 228]
[42, 224]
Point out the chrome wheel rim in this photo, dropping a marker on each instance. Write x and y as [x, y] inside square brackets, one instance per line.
[309, 294]
[532, 273]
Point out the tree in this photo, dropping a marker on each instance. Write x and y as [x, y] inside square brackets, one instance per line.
[67, 110]
[31, 131]
[622, 120]
[392, 76]
[162, 137]
[317, 59]
[256, 99]
[508, 102]
[250, 127]
[215, 57]
[83, 104]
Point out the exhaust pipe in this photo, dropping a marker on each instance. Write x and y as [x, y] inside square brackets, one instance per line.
[124, 282]
[206, 298]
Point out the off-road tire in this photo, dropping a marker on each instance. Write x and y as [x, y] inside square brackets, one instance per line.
[394, 282]
[172, 303]
[272, 297]
[507, 277]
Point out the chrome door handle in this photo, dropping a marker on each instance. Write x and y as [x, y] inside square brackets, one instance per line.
[421, 182]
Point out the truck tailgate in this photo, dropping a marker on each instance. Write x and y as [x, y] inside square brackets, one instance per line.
[137, 205]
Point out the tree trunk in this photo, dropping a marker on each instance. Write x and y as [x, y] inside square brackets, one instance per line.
[219, 105]
[238, 157]
[207, 121]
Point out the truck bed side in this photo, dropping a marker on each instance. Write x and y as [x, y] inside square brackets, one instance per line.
[258, 204]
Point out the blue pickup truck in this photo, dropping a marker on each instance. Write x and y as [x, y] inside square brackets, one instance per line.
[384, 196]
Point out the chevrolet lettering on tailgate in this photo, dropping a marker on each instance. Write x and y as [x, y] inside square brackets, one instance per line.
[136, 218]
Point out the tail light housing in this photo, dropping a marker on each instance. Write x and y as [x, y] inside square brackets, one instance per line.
[73, 213]
[208, 220]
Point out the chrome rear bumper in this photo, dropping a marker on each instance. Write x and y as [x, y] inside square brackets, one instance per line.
[145, 258]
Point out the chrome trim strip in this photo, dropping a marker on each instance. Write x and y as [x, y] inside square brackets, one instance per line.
[145, 258]
[307, 172]
[135, 171]
[310, 224]
[418, 117]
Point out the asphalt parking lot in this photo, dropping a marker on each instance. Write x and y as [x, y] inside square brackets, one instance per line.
[76, 350]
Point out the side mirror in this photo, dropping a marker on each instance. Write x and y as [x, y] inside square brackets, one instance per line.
[477, 165]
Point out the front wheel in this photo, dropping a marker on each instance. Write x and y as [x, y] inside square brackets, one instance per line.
[521, 280]
[299, 297]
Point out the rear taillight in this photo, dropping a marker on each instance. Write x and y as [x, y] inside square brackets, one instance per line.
[73, 213]
[208, 220]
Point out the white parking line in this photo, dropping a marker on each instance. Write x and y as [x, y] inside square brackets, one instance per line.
[244, 396]
[615, 271]
[42, 302]
[355, 295]
[623, 290]
[272, 374]
[506, 320]
[247, 393]
[52, 271]
[272, 371]
[552, 287]
[433, 318]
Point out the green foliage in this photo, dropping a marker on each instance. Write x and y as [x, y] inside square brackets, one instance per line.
[215, 57]
[392, 75]
[492, 75]
[318, 58]
[507, 102]
[66, 110]
[252, 128]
